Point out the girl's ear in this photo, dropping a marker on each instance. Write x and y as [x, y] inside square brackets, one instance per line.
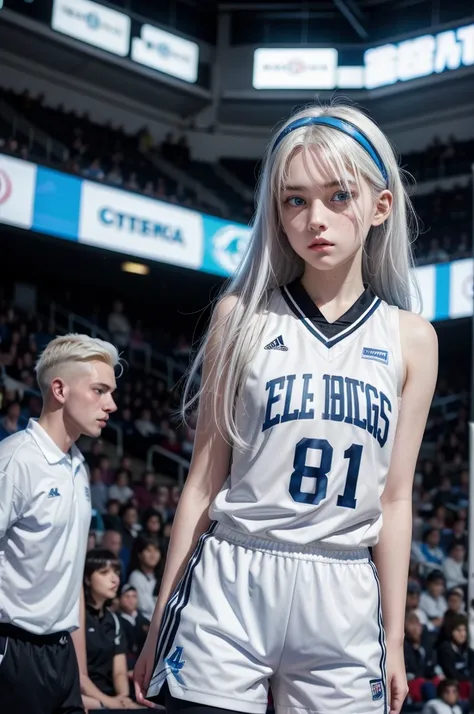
[383, 208]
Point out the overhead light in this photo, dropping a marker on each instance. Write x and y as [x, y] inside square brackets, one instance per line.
[135, 268]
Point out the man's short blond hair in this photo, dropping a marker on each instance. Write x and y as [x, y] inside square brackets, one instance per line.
[73, 348]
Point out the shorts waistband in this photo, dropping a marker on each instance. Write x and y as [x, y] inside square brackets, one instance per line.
[291, 550]
[17, 633]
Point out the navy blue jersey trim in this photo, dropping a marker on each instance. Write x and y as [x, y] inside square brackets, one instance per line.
[329, 342]
[177, 602]
[383, 656]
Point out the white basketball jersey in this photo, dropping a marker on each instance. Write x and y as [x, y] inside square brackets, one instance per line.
[318, 409]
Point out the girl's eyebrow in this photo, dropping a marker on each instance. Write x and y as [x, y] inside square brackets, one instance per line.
[331, 184]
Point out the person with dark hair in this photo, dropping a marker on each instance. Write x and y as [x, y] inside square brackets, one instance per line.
[455, 608]
[130, 525]
[135, 626]
[145, 492]
[146, 565]
[103, 665]
[153, 526]
[455, 657]
[432, 601]
[428, 554]
[420, 659]
[447, 697]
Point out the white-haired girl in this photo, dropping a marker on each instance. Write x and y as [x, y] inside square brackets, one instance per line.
[317, 381]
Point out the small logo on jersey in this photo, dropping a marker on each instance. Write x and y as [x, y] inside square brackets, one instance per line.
[377, 355]
[53, 493]
[376, 687]
[88, 493]
[176, 664]
[277, 344]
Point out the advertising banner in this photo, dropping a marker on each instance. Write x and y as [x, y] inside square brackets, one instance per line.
[137, 225]
[93, 23]
[294, 68]
[17, 191]
[167, 53]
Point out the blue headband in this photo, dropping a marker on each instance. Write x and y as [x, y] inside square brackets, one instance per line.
[342, 125]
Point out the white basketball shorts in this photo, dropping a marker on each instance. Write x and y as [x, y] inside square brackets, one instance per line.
[249, 612]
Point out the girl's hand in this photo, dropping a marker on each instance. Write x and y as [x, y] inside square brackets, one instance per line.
[397, 687]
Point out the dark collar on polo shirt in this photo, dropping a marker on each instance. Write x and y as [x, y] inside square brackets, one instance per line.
[50, 450]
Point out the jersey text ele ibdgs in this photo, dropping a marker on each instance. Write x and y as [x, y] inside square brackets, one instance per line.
[345, 400]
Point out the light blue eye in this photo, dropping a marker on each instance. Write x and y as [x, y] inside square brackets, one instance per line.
[296, 201]
[341, 196]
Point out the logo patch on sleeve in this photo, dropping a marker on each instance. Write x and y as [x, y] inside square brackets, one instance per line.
[377, 355]
[376, 687]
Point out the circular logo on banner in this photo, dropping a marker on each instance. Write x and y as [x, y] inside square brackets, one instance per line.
[5, 187]
[296, 67]
[163, 49]
[229, 245]
[93, 21]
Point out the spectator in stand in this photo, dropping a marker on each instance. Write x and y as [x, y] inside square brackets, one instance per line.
[120, 490]
[413, 604]
[145, 491]
[455, 657]
[145, 426]
[130, 525]
[108, 474]
[454, 565]
[98, 490]
[12, 421]
[104, 680]
[420, 659]
[170, 441]
[457, 535]
[94, 171]
[135, 626]
[119, 326]
[153, 526]
[428, 554]
[432, 601]
[112, 520]
[447, 698]
[115, 177]
[145, 573]
[131, 184]
[455, 608]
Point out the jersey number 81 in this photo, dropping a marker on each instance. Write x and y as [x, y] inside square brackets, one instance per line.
[320, 473]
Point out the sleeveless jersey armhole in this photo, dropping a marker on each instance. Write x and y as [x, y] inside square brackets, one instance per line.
[396, 347]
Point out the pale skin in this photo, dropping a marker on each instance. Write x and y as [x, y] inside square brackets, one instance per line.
[315, 205]
[104, 587]
[78, 401]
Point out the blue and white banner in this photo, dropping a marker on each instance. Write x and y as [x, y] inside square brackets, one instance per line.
[50, 202]
[93, 23]
[17, 191]
[129, 223]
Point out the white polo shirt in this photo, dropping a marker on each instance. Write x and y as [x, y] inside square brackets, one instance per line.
[45, 515]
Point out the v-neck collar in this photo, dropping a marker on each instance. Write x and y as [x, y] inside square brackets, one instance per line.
[329, 333]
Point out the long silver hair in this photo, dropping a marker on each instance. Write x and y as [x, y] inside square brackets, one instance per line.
[269, 261]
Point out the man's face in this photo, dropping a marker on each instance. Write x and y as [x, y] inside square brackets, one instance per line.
[129, 602]
[112, 540]
[85, 391]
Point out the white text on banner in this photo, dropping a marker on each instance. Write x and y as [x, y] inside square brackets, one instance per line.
[17, 191]
[124, 222]
[460, 292]
[93, 23]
